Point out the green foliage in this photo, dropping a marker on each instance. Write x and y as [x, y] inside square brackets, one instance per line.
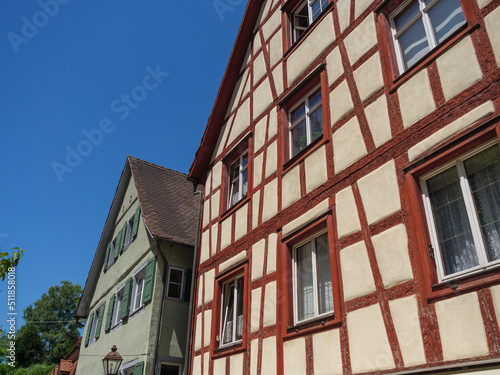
[7, 261]
[29, 346]
[39, 369]
[53, 316]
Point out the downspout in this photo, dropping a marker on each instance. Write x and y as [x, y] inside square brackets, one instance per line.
[193, 278]
[158, 327]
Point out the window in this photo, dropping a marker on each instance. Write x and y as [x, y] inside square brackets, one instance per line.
[229, 332]
[95, 324]
[305, 122]
[117, 307]
[312, 278]
[462, 206]
[170, 369]
[131, 228]
[238, 179]
[138, 290]
[232, 311]
[143, 282]
[175, 287]
[418, 26]
[304, 15]
[133, 368]
[110, 252]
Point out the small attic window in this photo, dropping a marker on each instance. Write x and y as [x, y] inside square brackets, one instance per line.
[304, 15]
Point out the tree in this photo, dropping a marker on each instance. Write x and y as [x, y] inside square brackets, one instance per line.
[8, 261]
[29, 346]
[53, 315]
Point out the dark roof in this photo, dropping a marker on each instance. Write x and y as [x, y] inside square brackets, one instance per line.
[231, 75]
[167, 202]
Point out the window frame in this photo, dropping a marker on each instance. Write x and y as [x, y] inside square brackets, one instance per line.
[128, 234]
[292, 7]
[138, 278]
[484, 132]
[182, 284]
[238, 271]
[389, 50]
[317, 80]
[116, 319]
[291, 327]
[244, 147]
[476, 233]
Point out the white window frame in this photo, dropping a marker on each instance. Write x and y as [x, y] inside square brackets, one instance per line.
[471, 215]
[111, 255]
[127, 367]
[116, 319]
[238, 180]
[128, 234]
[183, 277]
[304, 102]
[139, 281]
[310, 16]
[234, 341]
[311, 240]
[172, 364]
[93, 328]
[429, 32]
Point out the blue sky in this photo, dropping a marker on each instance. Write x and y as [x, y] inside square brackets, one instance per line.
[76, 99]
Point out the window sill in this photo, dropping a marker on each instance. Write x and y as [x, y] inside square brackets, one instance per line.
[234, 208]
[465, 283]
[313, 325]
[461, 32]
[293, 46]
[228, 350]
[308, 150]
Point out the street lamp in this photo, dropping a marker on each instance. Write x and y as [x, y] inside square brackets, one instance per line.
[112, 362]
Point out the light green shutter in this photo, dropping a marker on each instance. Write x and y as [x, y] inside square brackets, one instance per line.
[106, 258]
[89, 328]
[136, 222]
[139, 368]
[109, 315]
[127, 295]
[149, 280]
[99, 321]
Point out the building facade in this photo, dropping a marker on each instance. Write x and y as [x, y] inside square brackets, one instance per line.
[351, 207]
[138, 289]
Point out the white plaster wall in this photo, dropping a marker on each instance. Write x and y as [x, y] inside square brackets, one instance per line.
[334, 68]
[276, 49]
[232, 261]
[237, 92]
[254, 356]
[273, 123]
[270, 207]
[377, 116]
[272, 159]
[379, 192]
[197, 336]
[205, 246]
[257, 169]
[236, 364]
[260, 134]
[391, 251]
[206, 210]
[255, 310]
[360, 6]
[327, 353]
[215, 232]
[340, 102]
[361, 39]
[258, 252]
[455, 78]
[241, 224]
[404, 313]
[343, 10]
[220, 366]
[200, 290]
[262, 99]
[272, 252]
[294, 353]
[368, 76]
[492, 23]
[207, 327]
[451, 129]
[241, 121]
[290, 188]
[316, 169]
[259, 67]
[461, 327]
[209, 285]
[495, 294]
[216, 175]
[348, 145]
[269, 356]
[206, 363]
[270, 304]
[255, 208]
[271, 24]
[419, 87]
[225, 232]
[197, 365]
[310, 48]
[368, 343]
[306, 218]
[278, 79]
[357, 277]
[347, 213]
[215, 205]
